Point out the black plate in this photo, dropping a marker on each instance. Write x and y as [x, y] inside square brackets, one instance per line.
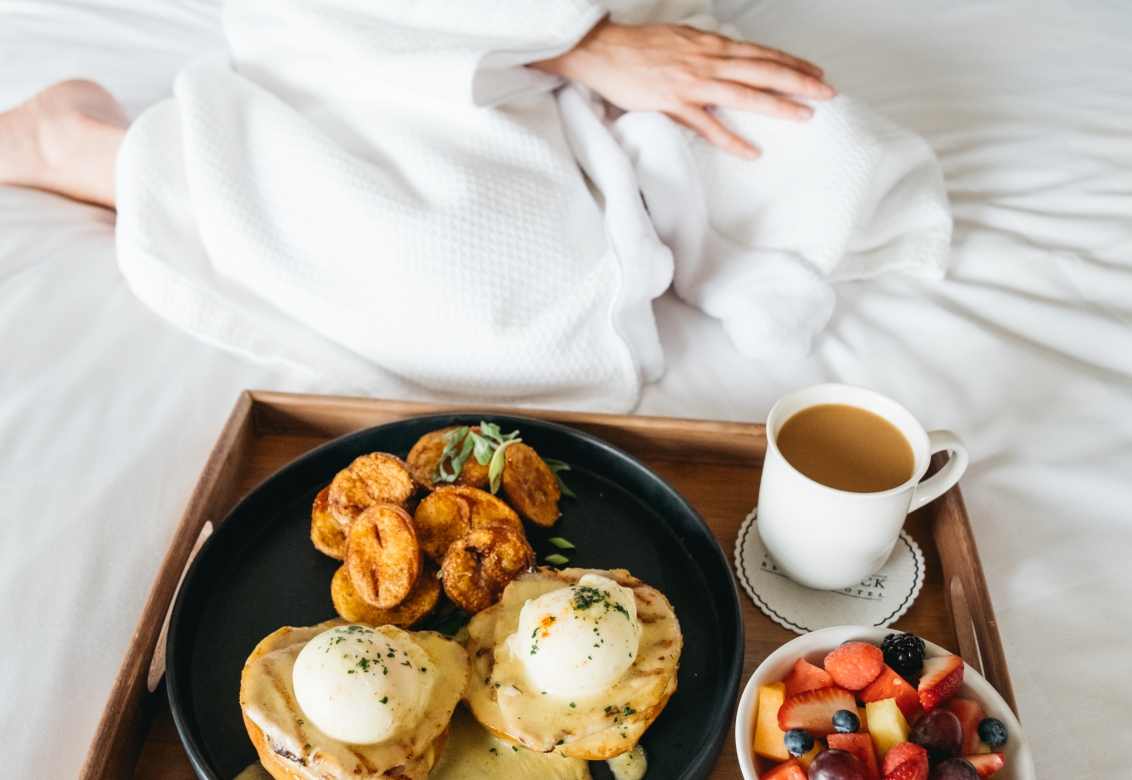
[259, 571]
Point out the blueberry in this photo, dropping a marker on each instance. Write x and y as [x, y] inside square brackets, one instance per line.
[846, 722]
[798, 741]
[992, 732]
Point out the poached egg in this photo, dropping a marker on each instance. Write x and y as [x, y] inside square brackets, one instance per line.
[358, 685]
[578, 640]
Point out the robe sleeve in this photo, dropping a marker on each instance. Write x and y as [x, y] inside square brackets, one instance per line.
[470, 51]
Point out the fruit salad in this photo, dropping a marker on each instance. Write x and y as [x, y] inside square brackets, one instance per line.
[876, 713]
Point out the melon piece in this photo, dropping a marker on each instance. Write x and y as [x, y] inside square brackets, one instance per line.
[890, 685]
[806, 677]
[861, 746]
[806, 758]
[791, 770]
[768, 736]
[970, 713]
[887, 725]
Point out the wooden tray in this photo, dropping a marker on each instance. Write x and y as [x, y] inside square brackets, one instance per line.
[715, 465]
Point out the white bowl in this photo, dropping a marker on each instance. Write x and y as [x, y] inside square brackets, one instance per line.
[814, 647]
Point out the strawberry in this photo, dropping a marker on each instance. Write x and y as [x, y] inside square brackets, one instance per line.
[854, 665]
[909, 770]
[890, 685]
[970, 713]
[806, 677]
[790, 770]
[941, 679]
[905, 751]
[861, 746]
[986, 764]
[906, 762]
[813, 710]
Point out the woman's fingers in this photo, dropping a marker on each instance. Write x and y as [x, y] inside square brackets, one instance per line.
[715, 132]
[776, 76]
[753, 51]
[728, 94]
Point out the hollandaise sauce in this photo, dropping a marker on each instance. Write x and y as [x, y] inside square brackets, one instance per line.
[474, 753]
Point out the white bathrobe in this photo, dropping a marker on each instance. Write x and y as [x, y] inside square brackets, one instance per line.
[383, 193]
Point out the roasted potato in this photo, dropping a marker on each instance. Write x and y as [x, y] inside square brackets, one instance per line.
[479, 566]
[450, 512]
[351, 607]
[377, 478]
[530, 485]
[383, 556]
[426, 453]
[326, 533]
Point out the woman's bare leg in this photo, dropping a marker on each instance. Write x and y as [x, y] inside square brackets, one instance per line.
[64, 140]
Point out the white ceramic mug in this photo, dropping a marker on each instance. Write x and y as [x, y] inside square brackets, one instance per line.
[826, 538]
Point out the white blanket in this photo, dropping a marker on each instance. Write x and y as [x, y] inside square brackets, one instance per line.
[386, 195]
[108, 412]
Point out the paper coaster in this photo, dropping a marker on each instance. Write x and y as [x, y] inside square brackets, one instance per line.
[878, 601]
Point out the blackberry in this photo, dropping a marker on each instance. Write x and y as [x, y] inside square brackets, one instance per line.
[904, 653]
[798, 741]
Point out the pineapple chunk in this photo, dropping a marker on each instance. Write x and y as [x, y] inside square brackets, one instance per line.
[806, 758]
[768, 736]
[887, 725]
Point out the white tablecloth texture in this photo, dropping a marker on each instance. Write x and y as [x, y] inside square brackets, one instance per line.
[107, 413]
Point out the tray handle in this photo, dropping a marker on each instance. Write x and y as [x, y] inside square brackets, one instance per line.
[966, 594]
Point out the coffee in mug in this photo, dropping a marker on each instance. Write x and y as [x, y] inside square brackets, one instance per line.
[842, 470]
[847, 448]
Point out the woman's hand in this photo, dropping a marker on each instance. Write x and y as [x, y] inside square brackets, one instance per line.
[681, 71]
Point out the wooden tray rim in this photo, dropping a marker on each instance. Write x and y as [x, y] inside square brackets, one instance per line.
[120, 732]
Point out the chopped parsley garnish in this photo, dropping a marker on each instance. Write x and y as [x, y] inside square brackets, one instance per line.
[585, 597]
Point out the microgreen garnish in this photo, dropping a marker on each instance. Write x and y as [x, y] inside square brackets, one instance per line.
[560, 543]
[557, 560]
[555, 466]
[487, 446]
[457, 447]
[498, 461]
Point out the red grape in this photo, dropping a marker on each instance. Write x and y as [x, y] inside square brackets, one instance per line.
[836, 765]
[940, 733]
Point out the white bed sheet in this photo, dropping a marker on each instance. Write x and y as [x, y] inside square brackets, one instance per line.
[107, 414]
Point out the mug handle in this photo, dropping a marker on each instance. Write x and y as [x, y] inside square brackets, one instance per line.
[943, 480]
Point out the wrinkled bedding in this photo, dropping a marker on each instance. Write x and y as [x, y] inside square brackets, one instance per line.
[107, 413]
